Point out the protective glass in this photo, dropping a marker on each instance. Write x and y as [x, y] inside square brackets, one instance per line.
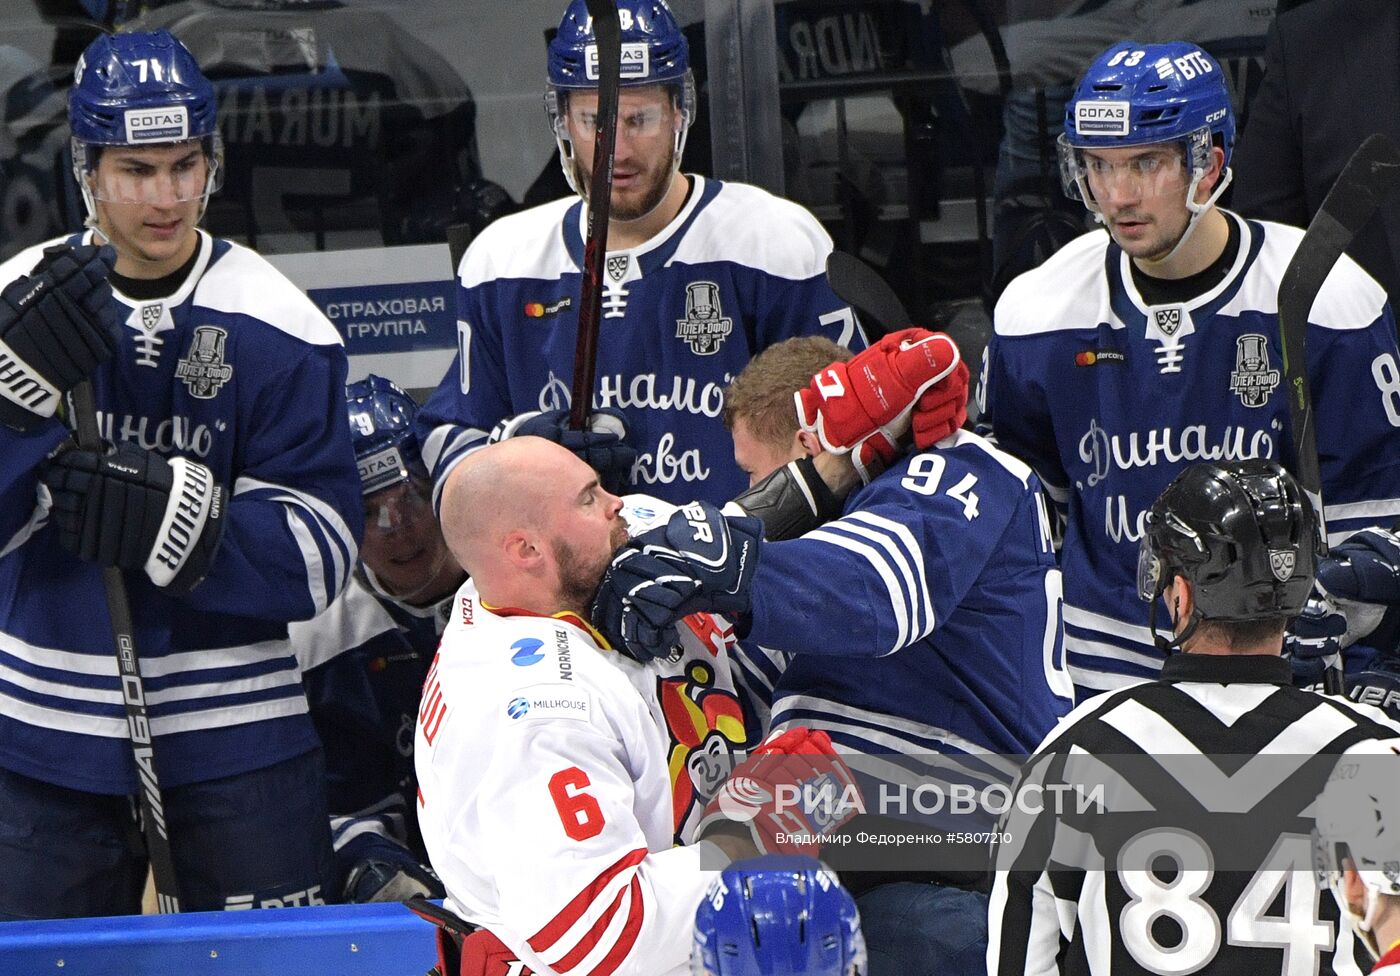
[637, 124]
[406, 506]
[1149, 570]
[157, 179]
[1155, 173]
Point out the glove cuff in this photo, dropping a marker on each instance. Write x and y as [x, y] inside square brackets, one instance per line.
[510, 426]
[190, 531]
[789, 502]
[25, 388]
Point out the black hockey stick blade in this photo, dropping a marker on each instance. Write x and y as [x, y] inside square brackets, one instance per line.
[857, 283]
[439, 916]
[1370, 174]
[607, 35]
[138, 722]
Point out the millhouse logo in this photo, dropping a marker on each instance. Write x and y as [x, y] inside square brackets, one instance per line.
[1253, 380]
[704, 327]
[1282, 561]
[204, 371]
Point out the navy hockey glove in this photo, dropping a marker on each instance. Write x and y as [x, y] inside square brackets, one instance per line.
[1314, 640]
[1357, 585]
[56, 327]
[384, 870]
[132, 508]
[720, 552]
[639, 603]
[601, 446]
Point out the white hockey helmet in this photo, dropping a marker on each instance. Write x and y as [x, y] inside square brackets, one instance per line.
[1358, 821]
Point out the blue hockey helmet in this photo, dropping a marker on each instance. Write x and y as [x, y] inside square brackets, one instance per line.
[140, 89]
[654, 52]
[381, 431]
[653, 47]
[778, 915]
[1141, 94]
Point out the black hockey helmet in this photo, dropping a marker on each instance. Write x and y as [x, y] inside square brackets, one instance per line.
[1242, 532]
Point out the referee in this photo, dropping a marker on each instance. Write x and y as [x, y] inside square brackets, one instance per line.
[1165, 828]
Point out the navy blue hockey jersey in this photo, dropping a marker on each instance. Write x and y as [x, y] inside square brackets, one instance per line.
[364, 661]
[736, 271]
[238, 371]
[1108, 399]
[927, 618]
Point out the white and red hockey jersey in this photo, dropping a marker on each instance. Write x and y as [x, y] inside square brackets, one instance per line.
[555, 776]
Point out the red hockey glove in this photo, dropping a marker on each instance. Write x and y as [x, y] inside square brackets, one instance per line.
[790, 791]
[485, 955]
[865, 406]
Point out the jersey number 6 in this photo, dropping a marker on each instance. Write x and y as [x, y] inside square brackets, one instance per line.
[578, 812]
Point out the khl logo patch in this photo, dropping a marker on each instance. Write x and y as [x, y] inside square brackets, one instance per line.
[617, 266]
[704, 327]
[1281, 562]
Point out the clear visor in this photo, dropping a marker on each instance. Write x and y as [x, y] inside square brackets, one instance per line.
[398, 508]
[1149, 570]
[161, 175]
[1142, 174]
[697, 960]
[641, 123]
[1327, 859]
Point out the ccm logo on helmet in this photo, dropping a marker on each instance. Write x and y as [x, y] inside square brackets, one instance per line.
[157, 124]
[1101, 118]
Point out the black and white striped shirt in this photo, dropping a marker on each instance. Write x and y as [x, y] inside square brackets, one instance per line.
[1181, 842]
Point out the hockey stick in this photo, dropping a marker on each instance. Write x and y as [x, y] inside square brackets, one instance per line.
[857, 283]
[607, 35]
[1364, 182]
[133, 689]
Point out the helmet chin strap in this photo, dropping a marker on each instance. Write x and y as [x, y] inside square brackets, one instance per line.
[1174, 644]
[1198, 210]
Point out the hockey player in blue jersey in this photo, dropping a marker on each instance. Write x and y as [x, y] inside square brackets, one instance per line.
[230, 500]
[924, 620]
[1154, 342]
[365, 658]
[700, 275]
[778, 916]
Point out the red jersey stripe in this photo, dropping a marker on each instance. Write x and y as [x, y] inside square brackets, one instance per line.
[555, 928]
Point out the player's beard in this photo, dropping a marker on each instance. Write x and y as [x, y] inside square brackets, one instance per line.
[578, 576]
[656, 180]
